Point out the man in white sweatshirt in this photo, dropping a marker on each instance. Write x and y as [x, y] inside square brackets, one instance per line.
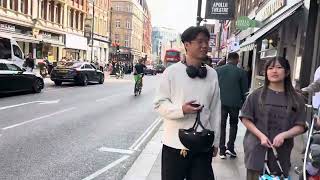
[183, 85]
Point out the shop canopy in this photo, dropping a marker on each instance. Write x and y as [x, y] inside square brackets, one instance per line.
[248, 45]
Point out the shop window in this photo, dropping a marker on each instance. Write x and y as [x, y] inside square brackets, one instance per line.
[17, 52]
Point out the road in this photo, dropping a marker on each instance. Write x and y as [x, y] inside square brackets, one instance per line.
[74, 132]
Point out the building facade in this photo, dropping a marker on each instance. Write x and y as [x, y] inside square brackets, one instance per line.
[279, 30]
[128, 22]
[147, 30]
[75, 47]
[99, 52]
[162, 39]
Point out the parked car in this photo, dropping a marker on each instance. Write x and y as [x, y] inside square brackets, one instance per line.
[160, 68]
[150, 70]
[79, 72]
[15, 79]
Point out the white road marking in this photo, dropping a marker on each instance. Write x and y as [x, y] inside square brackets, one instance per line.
[135, 146]
[108, 97]
[39, 118]
[103, 170]
[32, 102]
[122, 151]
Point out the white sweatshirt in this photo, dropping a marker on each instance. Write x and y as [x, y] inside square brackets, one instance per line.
[177, 88]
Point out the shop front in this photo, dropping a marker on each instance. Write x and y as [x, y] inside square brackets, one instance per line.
[75, 47]
[33, 41]
[280, 35]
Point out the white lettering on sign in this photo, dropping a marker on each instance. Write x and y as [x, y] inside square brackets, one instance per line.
[7, 27]
[269, 9]
[220, 8]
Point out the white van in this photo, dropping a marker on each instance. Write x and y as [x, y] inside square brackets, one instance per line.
[10, 50]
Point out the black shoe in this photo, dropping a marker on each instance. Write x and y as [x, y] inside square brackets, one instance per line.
[231, 153]
[222, 155]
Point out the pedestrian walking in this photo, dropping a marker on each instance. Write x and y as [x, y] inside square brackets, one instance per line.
[184, 88]
[29, 63]
[273, 115]
[233, 83]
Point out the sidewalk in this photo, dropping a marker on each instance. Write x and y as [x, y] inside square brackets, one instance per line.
[148, 164]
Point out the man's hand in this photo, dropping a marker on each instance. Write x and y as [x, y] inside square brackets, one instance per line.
[278, 140]
[215, 151]
[189, 108]
[265, 141]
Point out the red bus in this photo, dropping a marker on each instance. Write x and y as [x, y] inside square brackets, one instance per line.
[172, 56]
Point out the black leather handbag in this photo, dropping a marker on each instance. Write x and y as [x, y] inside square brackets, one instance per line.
[197, 141]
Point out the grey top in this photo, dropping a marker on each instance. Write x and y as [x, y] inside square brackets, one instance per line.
[273, 119]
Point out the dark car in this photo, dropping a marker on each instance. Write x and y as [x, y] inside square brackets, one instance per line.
[160, 68]
[150, 70]
[78, 72]
[14, 79]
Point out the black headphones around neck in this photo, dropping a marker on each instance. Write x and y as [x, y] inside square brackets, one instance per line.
[194, 72]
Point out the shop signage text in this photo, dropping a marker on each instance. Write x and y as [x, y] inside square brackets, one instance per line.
[7, 27]
[269, 9]
[243, 23]
[220, 9]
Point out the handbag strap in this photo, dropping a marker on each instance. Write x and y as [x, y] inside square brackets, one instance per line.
[198, 121]
[266, 168]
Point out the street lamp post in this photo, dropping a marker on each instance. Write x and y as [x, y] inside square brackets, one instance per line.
[92, 30]
[199, 19]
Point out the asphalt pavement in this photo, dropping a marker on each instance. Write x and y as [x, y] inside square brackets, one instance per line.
[74, 132]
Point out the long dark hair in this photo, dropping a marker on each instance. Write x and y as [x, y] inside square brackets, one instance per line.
[292, 96]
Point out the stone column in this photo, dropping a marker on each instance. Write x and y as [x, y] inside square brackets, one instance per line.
[65, 16]
[19, 6]
[29, 7]
[79, 20]
[48, 9]
[8, 4]
[54, 11]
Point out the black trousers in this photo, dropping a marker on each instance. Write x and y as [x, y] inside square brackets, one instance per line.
[233, 112]
[194, 166]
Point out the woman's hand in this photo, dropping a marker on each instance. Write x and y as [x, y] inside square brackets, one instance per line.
[265, 141]
[278, 140]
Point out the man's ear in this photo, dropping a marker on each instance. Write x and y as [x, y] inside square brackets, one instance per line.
[187, 45]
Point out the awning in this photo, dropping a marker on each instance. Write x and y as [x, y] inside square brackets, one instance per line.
[249, 43]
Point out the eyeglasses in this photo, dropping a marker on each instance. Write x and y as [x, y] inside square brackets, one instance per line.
[201, 41]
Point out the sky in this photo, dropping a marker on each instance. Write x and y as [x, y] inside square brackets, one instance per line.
[176, 14]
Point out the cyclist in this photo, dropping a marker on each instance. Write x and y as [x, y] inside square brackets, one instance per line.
[138, 71]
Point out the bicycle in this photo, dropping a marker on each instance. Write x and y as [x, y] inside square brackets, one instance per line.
[138, 84]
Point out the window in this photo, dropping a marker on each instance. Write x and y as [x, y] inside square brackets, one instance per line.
[118, 23]
[5, 48]
[128, 24]
[23, 6]
[117, 38]
[129, 8]
[3, 67]
[92, 67]
[41, 9]
[87, 66]
[117, 7]
[13, 67]
[17, 52]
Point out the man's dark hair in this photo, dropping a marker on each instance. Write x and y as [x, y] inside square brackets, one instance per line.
[233, 56]
[192, 32]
